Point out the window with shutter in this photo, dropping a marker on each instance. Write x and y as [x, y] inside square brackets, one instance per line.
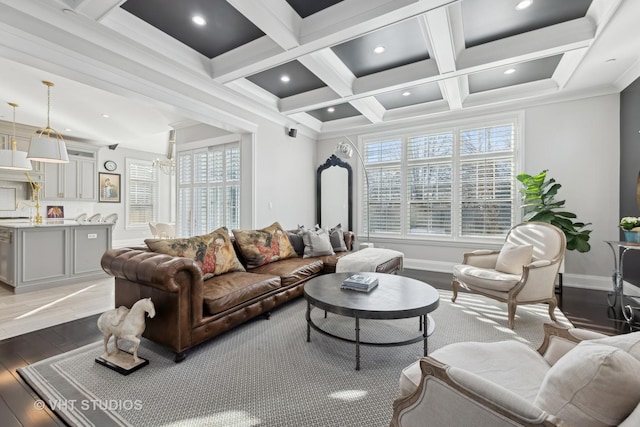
[453, 183]
[141, 193]
[209, 189]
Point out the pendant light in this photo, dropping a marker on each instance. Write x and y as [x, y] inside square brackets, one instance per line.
[12, 158]
[47, 145]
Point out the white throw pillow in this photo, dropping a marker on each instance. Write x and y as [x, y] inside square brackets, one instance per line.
[512, 258]
[592, 385]
[316, 243]
[627, 342]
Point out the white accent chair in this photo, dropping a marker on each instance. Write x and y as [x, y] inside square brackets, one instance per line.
[576, 378]
[522, 272]
[165, 231]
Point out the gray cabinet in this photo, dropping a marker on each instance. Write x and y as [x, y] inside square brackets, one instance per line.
[38, 257]
[76, 180]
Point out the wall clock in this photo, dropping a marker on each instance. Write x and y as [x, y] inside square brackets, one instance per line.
[110, 165]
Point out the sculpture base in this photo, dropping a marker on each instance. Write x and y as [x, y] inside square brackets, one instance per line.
[122, 362]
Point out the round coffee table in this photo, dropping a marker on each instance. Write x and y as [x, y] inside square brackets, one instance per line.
[395, 297]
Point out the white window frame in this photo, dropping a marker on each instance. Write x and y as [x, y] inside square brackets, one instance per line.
[128, 162]
[455, 126]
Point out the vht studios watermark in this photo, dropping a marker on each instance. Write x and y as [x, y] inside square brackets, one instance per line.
[87, 404]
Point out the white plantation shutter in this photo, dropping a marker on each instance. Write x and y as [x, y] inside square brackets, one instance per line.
[429, 184]
[185, 193]
[141, 193]
[455, 183]
[209, 197]
[487, 180]
[384, 195]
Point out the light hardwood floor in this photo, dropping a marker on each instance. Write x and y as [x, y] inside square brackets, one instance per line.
[31, 311]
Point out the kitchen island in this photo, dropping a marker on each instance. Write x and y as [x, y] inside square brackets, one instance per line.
[56, 252]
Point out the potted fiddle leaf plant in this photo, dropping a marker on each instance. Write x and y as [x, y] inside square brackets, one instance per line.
[538, 196]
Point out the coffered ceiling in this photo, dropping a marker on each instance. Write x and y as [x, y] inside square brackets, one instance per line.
[331, 66]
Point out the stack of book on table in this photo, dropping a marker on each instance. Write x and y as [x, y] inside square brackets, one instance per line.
[359, 282]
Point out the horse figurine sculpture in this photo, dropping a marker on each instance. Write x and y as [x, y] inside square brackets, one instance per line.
[126, 324]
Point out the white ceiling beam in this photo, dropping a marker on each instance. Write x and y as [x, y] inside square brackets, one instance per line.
[326, 65]
[276, 18]
[601, 11]
[454, 91]
[567, 66]
[255, 92]
[343, 21]
[96, 9]
[345, 125]
[370, 108]
[511, 93]
[445, 38]
[544, 42]
[412, 111]
[350, 19]
[397, 78]
[134, 28]
[439, 34]
[307, 120]
[316, 98]
[249, 58]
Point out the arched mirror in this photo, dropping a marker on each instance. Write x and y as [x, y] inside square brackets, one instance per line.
[334, 188]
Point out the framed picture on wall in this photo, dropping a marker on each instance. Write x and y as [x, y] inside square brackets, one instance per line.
[109, 187]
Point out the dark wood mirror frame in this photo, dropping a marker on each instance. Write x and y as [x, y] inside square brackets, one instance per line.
[334, 161]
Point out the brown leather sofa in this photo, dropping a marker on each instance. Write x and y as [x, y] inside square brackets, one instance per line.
[190, 310]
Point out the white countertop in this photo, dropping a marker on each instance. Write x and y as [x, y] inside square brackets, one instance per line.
[25, 223]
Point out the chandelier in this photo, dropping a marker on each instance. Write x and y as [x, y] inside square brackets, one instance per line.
[168, 166]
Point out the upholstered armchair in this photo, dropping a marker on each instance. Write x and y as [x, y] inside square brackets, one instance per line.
[576, 378]
[522, 272]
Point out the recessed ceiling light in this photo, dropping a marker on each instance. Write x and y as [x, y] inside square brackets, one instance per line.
[379, 49]
[198, 20]
[106, 116]
[67, 130]
[510, 71]
[285, 79]
[524, 4]
[331, 109]
[407, 93]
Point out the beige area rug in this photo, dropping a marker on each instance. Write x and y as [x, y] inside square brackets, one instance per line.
[265, 373]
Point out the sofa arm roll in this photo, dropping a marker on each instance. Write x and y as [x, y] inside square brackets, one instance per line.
[149, 268]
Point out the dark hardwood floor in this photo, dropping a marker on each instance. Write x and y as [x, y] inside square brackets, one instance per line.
[585, 308]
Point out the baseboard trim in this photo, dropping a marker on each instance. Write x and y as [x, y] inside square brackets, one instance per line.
[569, 280]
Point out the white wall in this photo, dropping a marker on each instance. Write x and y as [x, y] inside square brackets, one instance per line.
[285, 170]
[578, 141]
[166, 191]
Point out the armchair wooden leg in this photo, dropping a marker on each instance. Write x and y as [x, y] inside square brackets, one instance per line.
[552, 307]
[454, 286]
[511, 305]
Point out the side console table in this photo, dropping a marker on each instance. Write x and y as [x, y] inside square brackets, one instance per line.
[619, 249]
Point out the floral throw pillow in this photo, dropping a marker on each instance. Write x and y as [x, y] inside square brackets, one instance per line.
[263, 246]
[213, 252]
